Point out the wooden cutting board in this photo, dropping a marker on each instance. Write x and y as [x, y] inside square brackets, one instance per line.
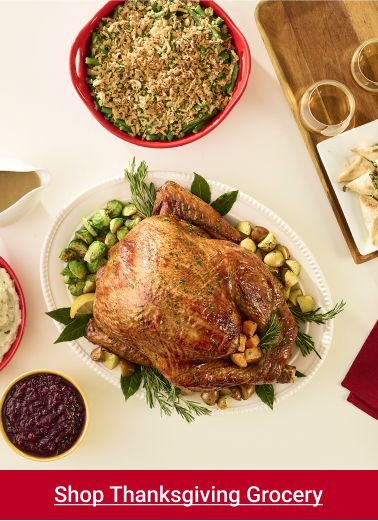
[315, 40]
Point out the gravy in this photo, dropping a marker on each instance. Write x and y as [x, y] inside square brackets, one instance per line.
[14, 185]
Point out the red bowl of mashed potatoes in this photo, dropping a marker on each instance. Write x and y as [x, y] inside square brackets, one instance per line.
[12, 313]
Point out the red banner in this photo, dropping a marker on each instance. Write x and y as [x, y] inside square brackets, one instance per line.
[188, 494]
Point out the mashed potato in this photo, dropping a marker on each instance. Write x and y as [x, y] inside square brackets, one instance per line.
[10, 315]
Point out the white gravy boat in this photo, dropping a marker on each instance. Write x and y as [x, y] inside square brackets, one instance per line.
[28, 201]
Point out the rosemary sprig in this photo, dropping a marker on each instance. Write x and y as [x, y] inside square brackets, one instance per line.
[272, 332]
[315, 316]
[159, 391]
[142, 194]
[306, 343]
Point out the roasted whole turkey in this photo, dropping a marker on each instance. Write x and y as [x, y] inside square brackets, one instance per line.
[175, 292]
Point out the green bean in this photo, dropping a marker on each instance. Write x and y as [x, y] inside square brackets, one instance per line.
[225, 56]
[200, 10]
[119, 123]
[91, 61]
[155, 137]
[106, 110]
[219, 21]
[234, 76]
[198, 127]
[159, 14]
[116, 11]
[196, 122]
[215, 33]
[194, 15]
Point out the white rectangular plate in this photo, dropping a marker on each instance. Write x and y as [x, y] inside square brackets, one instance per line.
[335, 153]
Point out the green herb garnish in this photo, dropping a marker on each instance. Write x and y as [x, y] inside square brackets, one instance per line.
[143, 195]
[159, 391]
[225, 202]
[272, 332]
[61, 315]
[306, 343]
[75, 329]
[201, 188]
[130, 384]
[266, 394]
[374, 177]
[315, 316]
[298, 374]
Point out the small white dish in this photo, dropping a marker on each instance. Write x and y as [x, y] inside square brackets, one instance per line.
[335, 153]
[30, 199]
[245, 208]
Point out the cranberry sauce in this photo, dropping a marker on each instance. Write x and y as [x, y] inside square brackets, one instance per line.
[43, 415]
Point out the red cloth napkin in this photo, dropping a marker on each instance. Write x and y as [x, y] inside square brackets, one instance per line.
[362, 377]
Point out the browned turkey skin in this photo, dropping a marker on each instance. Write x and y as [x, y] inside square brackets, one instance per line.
[175, 292]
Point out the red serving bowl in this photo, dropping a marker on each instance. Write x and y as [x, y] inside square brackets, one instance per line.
[9, 355]
[78, 70]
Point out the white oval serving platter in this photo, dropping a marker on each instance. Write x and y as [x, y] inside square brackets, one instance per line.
[245, 208]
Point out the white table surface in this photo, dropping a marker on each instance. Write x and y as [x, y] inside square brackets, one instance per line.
[258, 149]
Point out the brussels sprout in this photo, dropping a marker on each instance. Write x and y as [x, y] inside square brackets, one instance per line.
[102, 234]
[88, 226]
[95, 265]
[78, 269]
[70, 280]
[79, 247]
[66, 271]
[101, 220]
[84, 235]
[89, 286]
[110, 239]
[116, 224]
[76, 288]
[122, 232]
[129, 210]
[68, 277]
[132, 222]
[96, 250]
[114, 208]
[67, 254]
